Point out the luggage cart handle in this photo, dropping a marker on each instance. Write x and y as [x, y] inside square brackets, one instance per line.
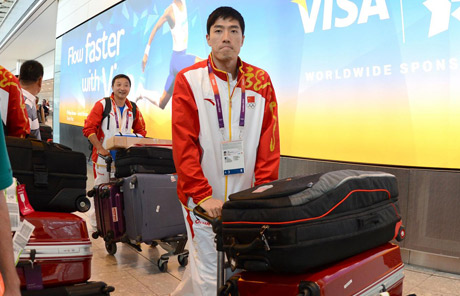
[108, 161]
[216, 222]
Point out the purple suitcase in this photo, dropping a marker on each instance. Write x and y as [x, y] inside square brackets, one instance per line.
[108, 201]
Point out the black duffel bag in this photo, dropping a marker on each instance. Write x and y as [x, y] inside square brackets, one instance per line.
[144, 160]
[296, 224]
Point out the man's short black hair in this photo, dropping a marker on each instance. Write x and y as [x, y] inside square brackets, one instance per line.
[31, 71]
[224, 12]
[121, 76]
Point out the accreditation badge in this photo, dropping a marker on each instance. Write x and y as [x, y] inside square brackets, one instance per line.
[232, 157]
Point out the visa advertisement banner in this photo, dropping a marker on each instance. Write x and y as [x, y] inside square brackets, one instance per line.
[369, 81]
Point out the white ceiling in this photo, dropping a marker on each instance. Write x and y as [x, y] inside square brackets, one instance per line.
[5, 6]
[36, 37]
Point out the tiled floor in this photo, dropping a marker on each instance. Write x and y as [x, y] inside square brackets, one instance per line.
[136, 273]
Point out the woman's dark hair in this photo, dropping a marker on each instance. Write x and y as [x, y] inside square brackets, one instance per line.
[224, 12]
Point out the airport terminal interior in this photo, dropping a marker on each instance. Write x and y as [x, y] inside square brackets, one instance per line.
[361, 85]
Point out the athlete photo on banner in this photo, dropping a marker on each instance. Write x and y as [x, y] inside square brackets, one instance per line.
[367, 81]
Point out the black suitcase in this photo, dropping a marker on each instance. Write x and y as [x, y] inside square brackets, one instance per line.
[83, 289]
[296, 224]
[54, 175]
[144, 159]
[46, 132]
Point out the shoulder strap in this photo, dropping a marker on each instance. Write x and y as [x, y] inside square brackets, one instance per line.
[107, 109]
[134, 110]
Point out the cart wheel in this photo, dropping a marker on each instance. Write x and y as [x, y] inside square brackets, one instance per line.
[183, 260]
[401, 234]
[95, 234]
[83, 204]
[111, 248]
[153, 244]
[162, 265]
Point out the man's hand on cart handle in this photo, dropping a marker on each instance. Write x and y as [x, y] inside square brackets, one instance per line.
[213, 207]
[216, 222]
[103, 152]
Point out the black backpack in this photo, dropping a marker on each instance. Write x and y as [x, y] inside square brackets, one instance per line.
[107, 109]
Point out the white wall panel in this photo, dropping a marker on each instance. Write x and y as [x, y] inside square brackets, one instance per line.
[72, 13]
[47, 60]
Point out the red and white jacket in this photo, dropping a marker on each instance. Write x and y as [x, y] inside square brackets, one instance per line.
[197, 138]
[125, 123]
[13, 106]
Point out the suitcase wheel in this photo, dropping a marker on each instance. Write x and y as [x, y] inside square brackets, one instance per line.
[162, 265]
[111, 248]
[183, 260]
[401, 234]
[95, 234]
[83, 204]
[154, 244]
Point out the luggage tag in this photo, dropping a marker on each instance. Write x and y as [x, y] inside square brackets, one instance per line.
[233, 157]
[11, 195]
[34, 277]
[21, 238]
[24, 205]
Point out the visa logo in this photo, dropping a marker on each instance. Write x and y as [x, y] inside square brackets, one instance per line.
[350, 11]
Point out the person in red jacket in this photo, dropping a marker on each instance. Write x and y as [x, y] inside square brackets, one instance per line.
[98, 129]
[12, 106]
[225, 139]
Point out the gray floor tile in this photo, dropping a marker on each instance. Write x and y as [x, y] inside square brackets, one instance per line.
[413, 279]
[424, 292]
[124, 283]
[443, 285]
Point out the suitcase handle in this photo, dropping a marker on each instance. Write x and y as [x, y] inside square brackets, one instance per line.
[256, 244]
[260, 242]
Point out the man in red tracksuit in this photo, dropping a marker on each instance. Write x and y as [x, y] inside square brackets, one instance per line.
[225, 139]
[120, 119]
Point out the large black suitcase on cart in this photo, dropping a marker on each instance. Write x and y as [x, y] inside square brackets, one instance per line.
[144, 159]
[54, 175]
[296, 224]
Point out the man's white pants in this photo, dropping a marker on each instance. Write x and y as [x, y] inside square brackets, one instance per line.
[101, 177]
[200, 276]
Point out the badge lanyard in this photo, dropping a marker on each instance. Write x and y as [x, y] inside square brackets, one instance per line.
[116, 116]
[215, 90]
